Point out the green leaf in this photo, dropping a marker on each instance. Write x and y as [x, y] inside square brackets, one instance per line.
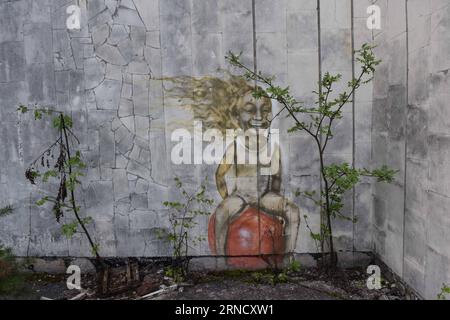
[42, 201]
[49, 174]
[76, 161]
[6, 210]
[59, 123]
[316, 236]
[70, 229]
[37, 114]
[444, 292]
[22, 109]
[383, 174]
[178, 182]
[87, 220]
[95, 249]
[295, 266]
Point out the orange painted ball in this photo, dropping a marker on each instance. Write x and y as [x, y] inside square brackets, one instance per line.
[252, 233]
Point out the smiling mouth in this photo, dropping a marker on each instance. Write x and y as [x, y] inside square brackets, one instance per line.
[258, 123]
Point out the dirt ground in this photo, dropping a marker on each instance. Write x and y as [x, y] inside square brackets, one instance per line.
[39, 285]
[306, 284]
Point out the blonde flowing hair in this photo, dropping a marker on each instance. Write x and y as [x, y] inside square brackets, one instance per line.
[214, 101]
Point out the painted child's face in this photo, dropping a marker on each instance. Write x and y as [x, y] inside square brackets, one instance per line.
[255, 112]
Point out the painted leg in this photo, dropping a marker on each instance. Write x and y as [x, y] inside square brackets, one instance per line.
[289, 212]
[227, 209]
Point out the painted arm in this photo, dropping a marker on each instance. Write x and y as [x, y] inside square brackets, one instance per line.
[276, 168]
[276, 183]
[222, 170]
[220, 179]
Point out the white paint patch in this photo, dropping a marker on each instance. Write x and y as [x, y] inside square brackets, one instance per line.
[19, 137]
[245, 238]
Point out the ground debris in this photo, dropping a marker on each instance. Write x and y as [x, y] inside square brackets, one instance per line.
[159, 292]
[80, 296]
[149, 284]
[306, 284]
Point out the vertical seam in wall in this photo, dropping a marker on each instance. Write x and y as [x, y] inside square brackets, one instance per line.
[255, 69]
[319, 53]
[161, 60]
[372, 198]
[319, 44]
[255, 64]
[352, 10]
[29, 226]
[50, 9]
[406, 134]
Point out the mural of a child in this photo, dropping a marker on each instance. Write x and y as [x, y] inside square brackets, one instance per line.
[254, 225]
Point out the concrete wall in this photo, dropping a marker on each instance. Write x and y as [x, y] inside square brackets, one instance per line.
[411, 134]
[108, 76]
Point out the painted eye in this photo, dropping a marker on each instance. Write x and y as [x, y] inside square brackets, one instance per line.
[249, 107]
[266, 108]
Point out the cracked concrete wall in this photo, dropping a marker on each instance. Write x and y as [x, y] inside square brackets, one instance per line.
[107, 75]
[411, 134]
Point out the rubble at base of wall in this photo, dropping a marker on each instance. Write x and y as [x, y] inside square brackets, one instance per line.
[59, 265]
[389, 275]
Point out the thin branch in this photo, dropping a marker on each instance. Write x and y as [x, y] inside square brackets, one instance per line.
[333, 117]
[58, 141]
